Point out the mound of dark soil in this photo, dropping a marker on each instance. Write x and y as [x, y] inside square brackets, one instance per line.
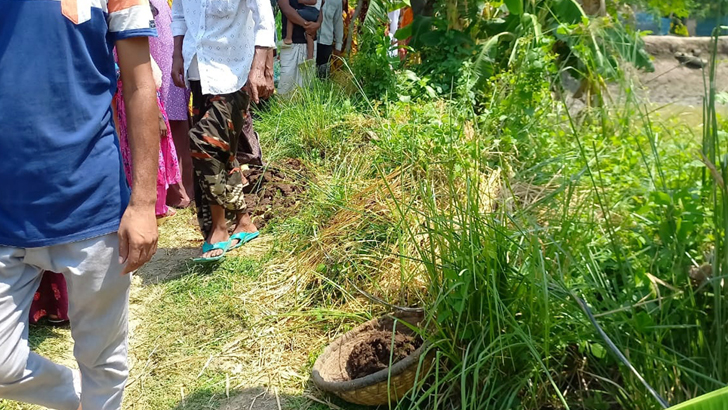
[275, 191]
[375, 352]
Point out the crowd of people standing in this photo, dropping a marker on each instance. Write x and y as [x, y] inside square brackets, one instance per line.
[140, 107]
[175, 179]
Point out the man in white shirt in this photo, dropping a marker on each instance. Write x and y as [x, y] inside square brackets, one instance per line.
[221, 49]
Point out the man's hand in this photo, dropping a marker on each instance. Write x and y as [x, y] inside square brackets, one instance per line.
[178, 71]
[259, 84]
[162, 126]
[312, 29]
[137, 237]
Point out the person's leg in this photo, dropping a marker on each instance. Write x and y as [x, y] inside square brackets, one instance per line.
[309, 47]
[289, 33]
[98, 295]
[214, 142]
[309, 14]
[323, 55]
[180, 195]
[243, 224]
[219, 231]
[25, 376]
[288, 71]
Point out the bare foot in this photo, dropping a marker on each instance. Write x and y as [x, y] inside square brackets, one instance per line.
[287, 41]
[243, 224]
[177, 197]
[170, 213]
[218, 234]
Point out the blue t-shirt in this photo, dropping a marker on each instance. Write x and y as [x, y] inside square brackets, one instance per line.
[61, 168]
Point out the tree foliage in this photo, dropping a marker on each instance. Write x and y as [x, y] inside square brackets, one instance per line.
[476, 39]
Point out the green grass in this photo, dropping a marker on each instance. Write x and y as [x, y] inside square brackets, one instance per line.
[495, 219]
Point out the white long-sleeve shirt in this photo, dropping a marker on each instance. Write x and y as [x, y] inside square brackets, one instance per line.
[222, 35]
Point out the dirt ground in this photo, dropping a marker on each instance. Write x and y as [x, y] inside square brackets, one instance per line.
[673, 83]
[257, 398]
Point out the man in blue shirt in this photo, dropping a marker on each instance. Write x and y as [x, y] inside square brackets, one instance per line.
[64, 202]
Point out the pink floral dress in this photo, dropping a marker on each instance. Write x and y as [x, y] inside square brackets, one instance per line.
[168, 171]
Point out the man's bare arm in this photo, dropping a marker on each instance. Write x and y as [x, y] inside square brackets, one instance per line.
[138, 230]
[179, 29]
[178, 64]
[260, 83]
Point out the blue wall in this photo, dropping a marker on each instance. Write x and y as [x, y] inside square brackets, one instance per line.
[648, 22]
[705, 27]
[661, 26]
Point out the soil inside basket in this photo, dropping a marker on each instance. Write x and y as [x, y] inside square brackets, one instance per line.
[374, 353]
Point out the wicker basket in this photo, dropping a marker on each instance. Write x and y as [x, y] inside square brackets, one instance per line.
[382, 387]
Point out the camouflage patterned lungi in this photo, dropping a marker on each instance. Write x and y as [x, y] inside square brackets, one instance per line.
[215, 140]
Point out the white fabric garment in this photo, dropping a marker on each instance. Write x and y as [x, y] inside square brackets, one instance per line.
[393, 26]
[296, 70]
[193, 73]
[156, 73]
[223, 35]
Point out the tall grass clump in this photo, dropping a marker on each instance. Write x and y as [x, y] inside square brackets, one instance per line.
[715, 155]
[509, 219]
[606, 210]
[309, 124]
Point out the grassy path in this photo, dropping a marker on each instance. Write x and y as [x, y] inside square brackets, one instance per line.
[226, 337]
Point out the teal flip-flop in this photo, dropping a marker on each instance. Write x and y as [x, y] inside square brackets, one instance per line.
[206, 247]
[243, 238]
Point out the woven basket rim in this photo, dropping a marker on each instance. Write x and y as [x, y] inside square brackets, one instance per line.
[369, 380]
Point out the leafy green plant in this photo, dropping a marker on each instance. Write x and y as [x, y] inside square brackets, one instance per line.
[477, 40]
[373, 66]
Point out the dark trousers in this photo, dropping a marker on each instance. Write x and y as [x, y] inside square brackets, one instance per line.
[323, 56]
